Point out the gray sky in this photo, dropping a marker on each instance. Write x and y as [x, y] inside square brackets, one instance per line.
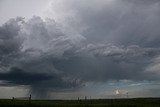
[24, 8]
[67, 49]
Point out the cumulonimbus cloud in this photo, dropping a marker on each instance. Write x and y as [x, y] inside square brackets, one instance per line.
[60, 56]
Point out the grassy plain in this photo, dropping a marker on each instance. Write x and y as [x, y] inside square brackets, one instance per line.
[135, 102]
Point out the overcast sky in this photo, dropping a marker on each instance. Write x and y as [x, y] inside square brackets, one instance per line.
[65, 49]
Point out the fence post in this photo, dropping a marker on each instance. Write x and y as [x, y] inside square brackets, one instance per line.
[30, 98]
[12, 98]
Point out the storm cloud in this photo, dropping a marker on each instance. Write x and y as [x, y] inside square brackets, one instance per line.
[82, 42]
[121, 22]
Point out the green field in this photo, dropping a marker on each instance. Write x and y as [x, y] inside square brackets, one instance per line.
[136, 102]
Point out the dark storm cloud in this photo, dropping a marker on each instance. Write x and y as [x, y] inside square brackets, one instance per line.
[124, 22]
[19, 77]
[109, 62]
[28, 58]
[10, 42]
[56, 55]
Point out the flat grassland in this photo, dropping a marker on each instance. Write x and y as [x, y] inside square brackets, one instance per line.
[134, 102]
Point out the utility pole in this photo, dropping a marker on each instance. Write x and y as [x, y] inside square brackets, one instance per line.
[127, 94]
[85, 97]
